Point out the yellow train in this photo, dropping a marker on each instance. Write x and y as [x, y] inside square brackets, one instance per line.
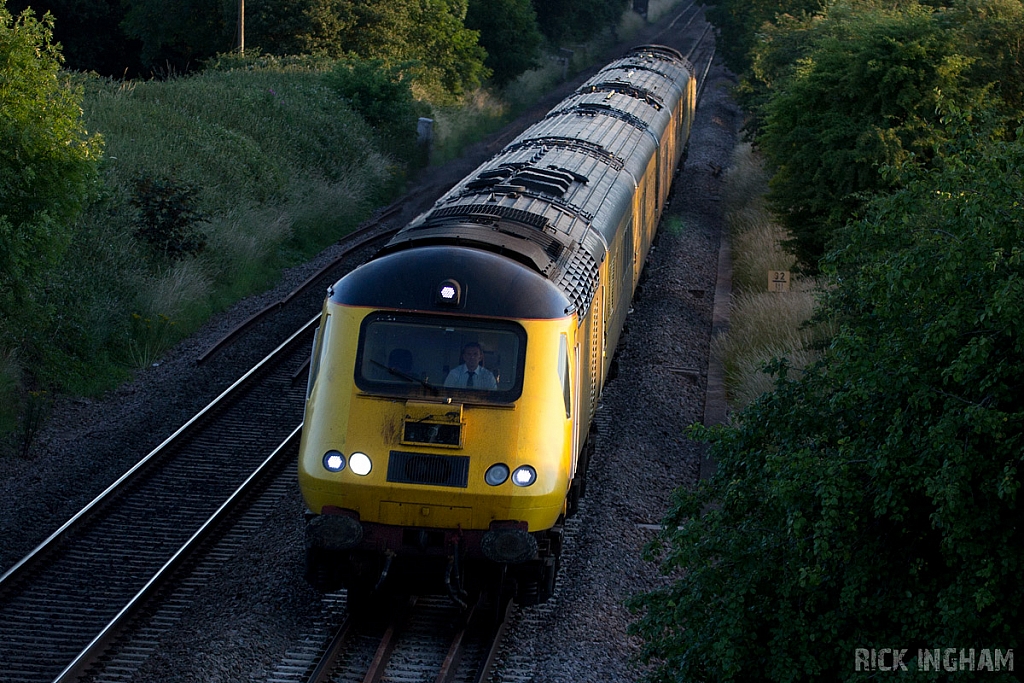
[454, 377]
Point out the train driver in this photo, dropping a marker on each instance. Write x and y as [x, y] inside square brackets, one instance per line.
[471, 374]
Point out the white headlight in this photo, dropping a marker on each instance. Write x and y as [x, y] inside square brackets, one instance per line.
[360, 463]
[524, 476]
[334, 461]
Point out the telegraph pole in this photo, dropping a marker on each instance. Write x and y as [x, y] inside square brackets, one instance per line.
[241, 27]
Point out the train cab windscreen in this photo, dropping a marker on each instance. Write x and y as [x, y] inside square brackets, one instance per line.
[429, 356]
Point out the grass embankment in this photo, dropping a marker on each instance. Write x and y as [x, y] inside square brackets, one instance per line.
[262, 168]
[280, 166]
[763, 324]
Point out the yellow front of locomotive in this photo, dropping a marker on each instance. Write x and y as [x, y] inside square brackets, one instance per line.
[438, 427]
[492, 459]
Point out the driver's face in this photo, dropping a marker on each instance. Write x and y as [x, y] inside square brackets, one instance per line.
[472, 356]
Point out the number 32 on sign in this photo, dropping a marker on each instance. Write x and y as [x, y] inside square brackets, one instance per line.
[778, 280]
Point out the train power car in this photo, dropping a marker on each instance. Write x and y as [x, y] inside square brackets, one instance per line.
[455, 375]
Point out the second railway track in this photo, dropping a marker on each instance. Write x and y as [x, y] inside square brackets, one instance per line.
[58, 598]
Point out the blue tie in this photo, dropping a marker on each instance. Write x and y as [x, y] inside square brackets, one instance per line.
[469, 379]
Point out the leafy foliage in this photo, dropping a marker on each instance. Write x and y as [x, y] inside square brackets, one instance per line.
[566, 20]
[834, 95]
[168, 217]
[382, 94]
[509, 32]
[430, 32]
[863, 94]
[47, 159]
[741, 21]
[293, 28]
[379, 92]
[992, 31]
[874, 501]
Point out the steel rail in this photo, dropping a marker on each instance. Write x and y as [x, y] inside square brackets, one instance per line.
[79, 665]
[366, 238]
[143, 466]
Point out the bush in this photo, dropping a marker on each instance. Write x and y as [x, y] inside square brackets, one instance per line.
[864, 94]
[562, 21]
[874, 502]
[382, 94]
[168, 217]
[48, 162]
[509, 32]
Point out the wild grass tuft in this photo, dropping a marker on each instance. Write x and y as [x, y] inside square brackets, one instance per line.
[456, 127]
[763, 324]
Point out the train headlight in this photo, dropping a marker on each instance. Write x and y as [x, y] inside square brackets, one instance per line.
[448, 293]
[360, 463]
[524, 476]
[334, 461]
[496, 474]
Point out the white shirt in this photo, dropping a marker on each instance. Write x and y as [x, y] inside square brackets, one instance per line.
[482, 378]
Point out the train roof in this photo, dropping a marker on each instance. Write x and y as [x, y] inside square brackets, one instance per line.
[489, 284]
[553, 198]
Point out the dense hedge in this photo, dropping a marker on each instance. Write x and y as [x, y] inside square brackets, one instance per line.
[836, 94]
[872, 502]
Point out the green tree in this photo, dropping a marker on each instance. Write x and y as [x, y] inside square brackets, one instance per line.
[863, 94]
[740, 23]
[431, 32]
[382, 94]
[508, 31]
[47, 159]
[568, 20]
[295, 28]
[874, 501]
[992, 36]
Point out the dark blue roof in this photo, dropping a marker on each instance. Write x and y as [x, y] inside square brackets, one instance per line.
[492, 284]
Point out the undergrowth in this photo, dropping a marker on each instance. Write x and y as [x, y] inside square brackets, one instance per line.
[763, 324]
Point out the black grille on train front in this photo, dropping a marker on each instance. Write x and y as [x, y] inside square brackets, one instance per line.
[432, 470]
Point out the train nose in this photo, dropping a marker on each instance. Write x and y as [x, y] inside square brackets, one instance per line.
[508, 546]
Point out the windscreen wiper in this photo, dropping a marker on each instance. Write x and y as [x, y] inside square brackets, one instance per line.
[406, 376]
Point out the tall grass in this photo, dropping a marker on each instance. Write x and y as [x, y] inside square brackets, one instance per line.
[282, 167]
[763, 324]
[456, 126]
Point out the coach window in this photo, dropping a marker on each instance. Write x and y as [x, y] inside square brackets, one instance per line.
[319, 339]
[563, 373]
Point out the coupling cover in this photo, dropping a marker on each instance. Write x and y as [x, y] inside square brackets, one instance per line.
[508, 546]
[333, 532]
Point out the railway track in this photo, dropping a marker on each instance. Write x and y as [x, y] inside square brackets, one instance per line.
[61, 604]
[90, 602]
[425, 639]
